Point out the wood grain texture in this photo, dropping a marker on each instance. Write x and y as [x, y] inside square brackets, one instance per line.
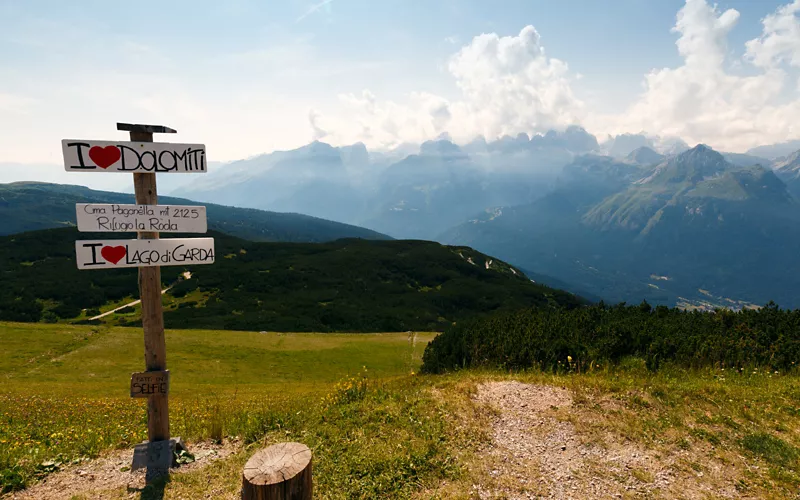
[155, 348]
[280, 472]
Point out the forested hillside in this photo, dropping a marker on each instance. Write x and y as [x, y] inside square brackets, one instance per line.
[345, 285]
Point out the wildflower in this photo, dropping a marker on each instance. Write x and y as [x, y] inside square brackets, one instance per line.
[569, 358]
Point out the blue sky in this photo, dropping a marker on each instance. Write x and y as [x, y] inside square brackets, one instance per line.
[247, 77]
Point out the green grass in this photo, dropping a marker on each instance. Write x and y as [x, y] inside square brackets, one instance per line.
[64, 395]
[376, 432]
[774, 450]
[98, 361]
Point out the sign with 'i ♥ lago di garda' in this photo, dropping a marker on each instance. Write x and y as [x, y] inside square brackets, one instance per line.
[109, 254]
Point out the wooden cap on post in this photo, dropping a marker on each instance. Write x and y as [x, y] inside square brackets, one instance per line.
[280, 472]
[146, 129]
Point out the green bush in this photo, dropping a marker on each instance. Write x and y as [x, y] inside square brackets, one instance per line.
[49, 317]
[560, 339]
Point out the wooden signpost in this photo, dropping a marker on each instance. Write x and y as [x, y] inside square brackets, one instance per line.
[144, 158]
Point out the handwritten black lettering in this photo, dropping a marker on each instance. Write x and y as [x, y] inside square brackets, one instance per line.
[169, 155]
[82, 163]
[123, 163]
[153, 163]
[94, 261]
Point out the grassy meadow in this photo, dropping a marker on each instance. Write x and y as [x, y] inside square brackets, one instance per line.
[64, 392]
[377, 428]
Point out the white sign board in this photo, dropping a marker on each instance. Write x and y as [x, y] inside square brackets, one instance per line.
[112, 254]
[96, 217]
[122, 156]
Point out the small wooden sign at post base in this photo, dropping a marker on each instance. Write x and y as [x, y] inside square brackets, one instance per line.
[144, 384]
[280, 472]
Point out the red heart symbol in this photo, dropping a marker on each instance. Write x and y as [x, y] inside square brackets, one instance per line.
[113, 254]
[104, 157]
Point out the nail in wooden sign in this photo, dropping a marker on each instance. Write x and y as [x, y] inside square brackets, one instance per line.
[110, 254]
[96, 217]
[146, 384]
[122, 156]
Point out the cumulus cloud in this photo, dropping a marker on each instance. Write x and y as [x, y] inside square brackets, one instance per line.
[780, 40]
[313, 120]
[701, 101]
[510, 85]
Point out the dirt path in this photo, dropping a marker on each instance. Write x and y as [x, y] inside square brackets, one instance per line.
[112, 472]
[187, 275]
[536, 454]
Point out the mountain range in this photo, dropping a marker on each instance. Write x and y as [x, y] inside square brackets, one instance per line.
[414, 196]
[628, 218]
[602, 217]
[693, 229]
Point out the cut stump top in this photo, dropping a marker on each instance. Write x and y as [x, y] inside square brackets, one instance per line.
[276, 464]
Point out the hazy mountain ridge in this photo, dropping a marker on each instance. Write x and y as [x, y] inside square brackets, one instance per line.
[414, 195]
[696, 219]
[29, 206]
[684, 181]
[600, 217]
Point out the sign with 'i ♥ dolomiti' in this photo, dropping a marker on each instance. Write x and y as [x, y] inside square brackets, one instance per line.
[110, 254]
[122, 156]
[97, 217]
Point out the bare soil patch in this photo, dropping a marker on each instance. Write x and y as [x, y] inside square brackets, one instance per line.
[535, 452]
[112, 471]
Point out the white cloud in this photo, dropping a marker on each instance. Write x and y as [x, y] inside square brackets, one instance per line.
[780, 40]
[702, 102]
[510, 85]
[313, 120]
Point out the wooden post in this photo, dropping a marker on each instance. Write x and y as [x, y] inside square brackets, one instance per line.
[157, 455]
[280, 472]
[155, 347]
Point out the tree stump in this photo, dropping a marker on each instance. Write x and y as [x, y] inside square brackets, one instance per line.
[280, 472]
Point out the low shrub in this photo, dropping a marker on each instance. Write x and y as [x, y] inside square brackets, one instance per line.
[563, 340]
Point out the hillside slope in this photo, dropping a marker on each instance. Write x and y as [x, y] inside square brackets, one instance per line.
[29, 206]
[345, 285]
[694, 230]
